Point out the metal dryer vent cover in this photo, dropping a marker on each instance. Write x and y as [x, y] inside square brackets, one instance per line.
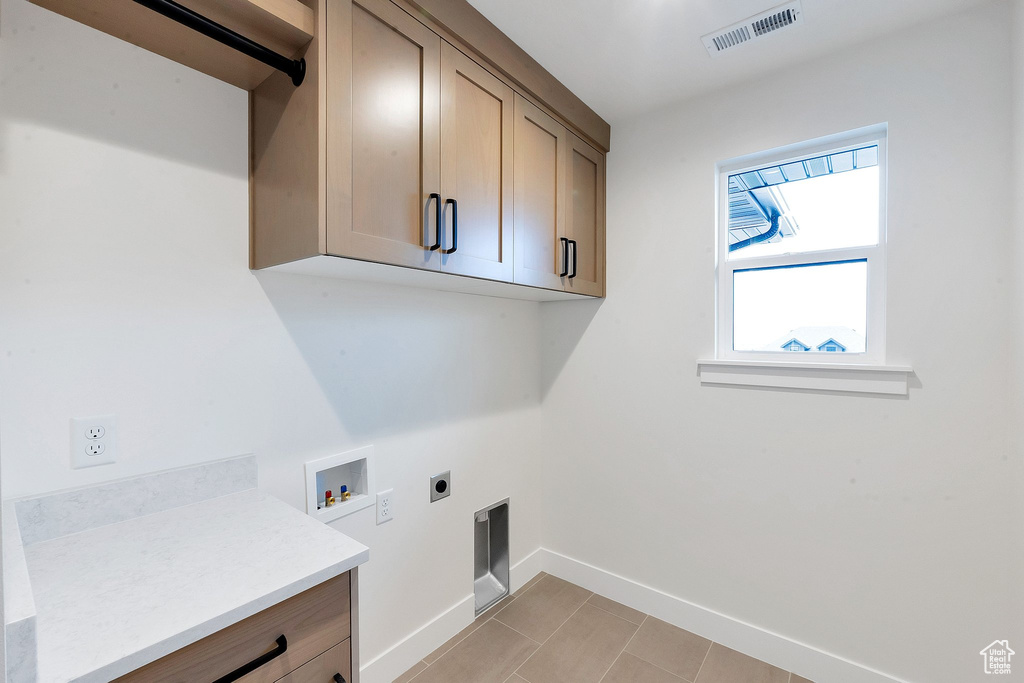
[756, 26]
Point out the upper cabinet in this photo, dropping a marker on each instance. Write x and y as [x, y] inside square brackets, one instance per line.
[421, 147]
[584, 225]
[410, 149]
[542, 246]
[559, 206]
[476, 169]
[385, 133]
[384, 144]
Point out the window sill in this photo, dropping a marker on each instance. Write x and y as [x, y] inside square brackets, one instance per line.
[832, 377]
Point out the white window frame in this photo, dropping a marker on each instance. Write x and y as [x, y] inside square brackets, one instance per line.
[874, 256]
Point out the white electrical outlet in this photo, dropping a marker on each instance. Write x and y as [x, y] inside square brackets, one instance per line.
[385, 509]
[93, 441]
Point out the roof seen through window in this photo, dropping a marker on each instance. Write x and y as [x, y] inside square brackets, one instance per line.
[824, 202]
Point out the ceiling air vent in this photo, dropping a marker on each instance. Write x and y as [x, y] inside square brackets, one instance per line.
[755, 27]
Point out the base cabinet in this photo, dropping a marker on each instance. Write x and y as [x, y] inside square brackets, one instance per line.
[335, 662]
[292, 641]
[412, 153]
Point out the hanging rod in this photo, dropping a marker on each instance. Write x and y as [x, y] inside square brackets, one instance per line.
[295, 68]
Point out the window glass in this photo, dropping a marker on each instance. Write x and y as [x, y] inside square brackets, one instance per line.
[819, 203]
[775, 308]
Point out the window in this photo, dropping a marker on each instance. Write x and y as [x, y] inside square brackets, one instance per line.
[801, 253]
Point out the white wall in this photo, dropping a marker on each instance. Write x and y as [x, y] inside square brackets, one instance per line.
[879, 530]
[868, 527]
[3, 641]
[1018, 136]
[124, 289]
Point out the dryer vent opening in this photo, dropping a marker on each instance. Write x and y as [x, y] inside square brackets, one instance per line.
[490, 555]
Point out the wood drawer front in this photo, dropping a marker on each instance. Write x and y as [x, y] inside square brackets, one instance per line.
[337, 660]
[313, 622]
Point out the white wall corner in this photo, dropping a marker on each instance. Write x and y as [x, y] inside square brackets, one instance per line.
[403, 655]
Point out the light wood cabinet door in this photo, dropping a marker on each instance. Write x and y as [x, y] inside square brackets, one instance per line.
[383, 132]
[337, 660]
[540, 157]
[477, 114]
[585, 219]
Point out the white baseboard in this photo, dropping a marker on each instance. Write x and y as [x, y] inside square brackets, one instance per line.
[773, 648]
[400, 657]
[527, 568]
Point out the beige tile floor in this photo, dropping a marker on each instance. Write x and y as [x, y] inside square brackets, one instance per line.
[552, 631]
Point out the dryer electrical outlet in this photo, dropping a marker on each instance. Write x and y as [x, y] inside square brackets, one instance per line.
[440, 486]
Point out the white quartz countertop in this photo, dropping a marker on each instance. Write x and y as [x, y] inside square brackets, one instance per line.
[113, 598]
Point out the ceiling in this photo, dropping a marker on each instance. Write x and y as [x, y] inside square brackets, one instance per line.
[622, 57]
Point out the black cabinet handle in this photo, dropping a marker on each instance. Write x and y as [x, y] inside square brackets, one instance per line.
[574, 248]
[282, 647]
[437, 220]
[565, 256]
[338, 678]
[455, 226]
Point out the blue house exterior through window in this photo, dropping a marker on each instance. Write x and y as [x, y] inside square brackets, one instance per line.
[831, 346]
[827, 339]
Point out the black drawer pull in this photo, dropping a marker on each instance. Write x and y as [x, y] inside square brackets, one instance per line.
[282, 647]
[573, 274]
[338, 678]
[565, 256]
[437, 220]
[455, 226]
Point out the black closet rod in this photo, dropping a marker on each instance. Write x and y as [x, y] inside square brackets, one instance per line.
[295, 68]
